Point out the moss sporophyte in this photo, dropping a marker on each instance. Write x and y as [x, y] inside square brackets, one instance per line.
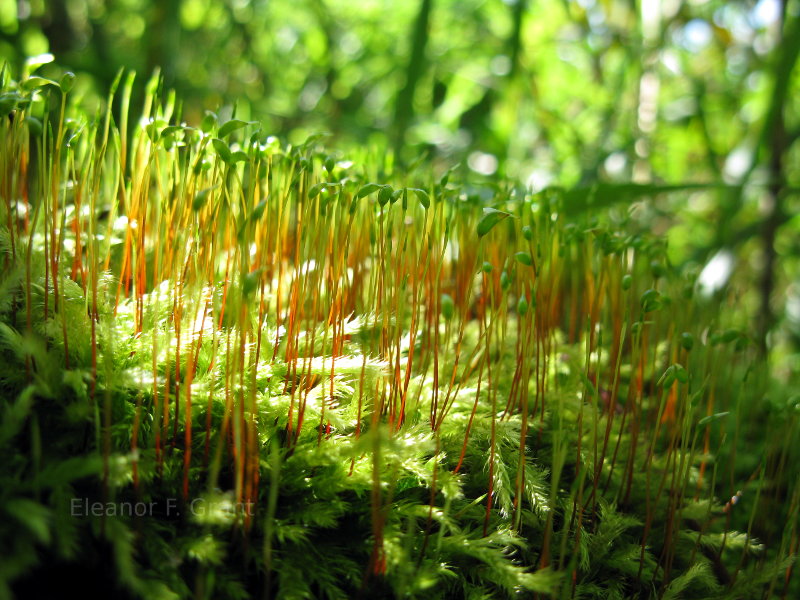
[260, 369]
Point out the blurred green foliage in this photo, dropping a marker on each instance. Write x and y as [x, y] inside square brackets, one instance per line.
[545, 92]
[553, 89]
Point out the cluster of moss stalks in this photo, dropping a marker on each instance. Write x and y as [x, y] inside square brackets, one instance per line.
[231, 369]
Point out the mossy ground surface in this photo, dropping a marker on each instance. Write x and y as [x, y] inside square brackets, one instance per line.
[320, 382]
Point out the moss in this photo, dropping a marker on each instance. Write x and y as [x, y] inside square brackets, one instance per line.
[356, 405]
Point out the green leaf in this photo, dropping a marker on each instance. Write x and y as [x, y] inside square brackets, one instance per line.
[223, 150]
[9, 101]
[729, 335]
[672, 373]
[446, 177]
[36, 82]
[209, 122]
[316, 189]
[368, 189]
[171, 130]
[668, 378]
[491, 217]
[712, 418]
[201, 197]
[423, 197]
[314, 138]
[153, 132]
[258, 211]
[385, 194]
[230, 127]
[524, 258]
[34, 62]
[66, 81]
[651, 300]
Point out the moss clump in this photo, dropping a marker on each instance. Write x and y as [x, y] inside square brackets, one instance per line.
[254, 370]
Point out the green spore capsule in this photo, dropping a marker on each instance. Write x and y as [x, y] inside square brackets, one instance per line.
[627, 281]
[687, 341]
[657, 269]
[448, 306]
[522, 307]
[505, 281]
[527, 232]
